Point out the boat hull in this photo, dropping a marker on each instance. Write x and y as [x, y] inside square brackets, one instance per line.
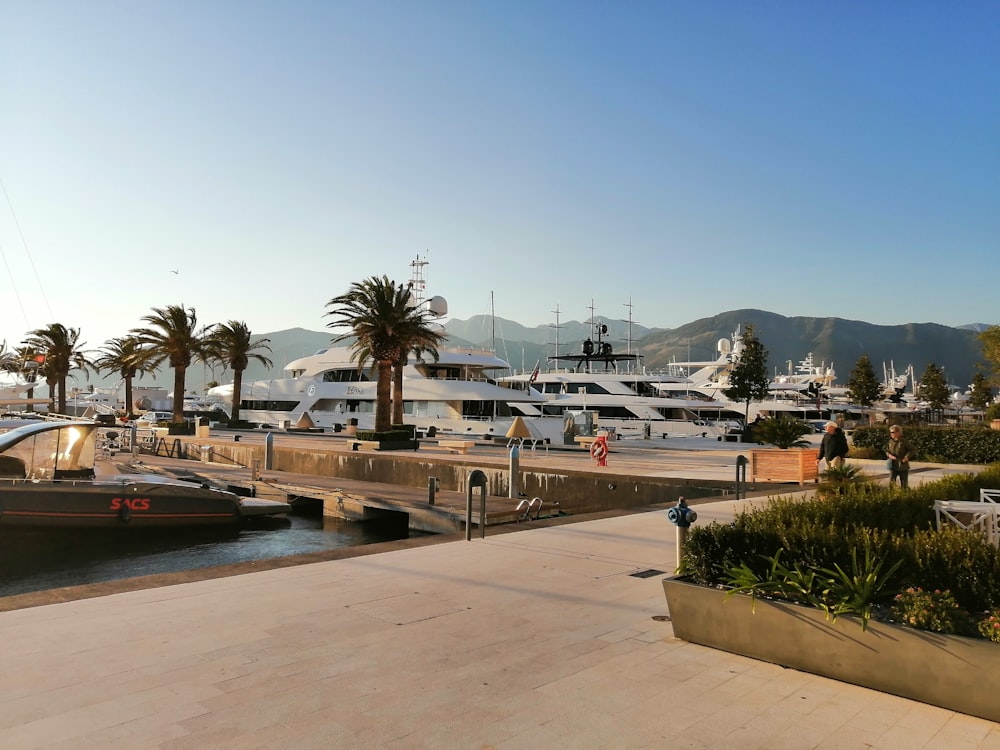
[138, 504]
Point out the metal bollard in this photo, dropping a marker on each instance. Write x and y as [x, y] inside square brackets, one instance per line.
[432, 488]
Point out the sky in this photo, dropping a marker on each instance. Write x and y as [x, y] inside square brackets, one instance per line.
[657, 159]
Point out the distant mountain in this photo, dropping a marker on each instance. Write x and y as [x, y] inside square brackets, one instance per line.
[977, 327]
[832, 341]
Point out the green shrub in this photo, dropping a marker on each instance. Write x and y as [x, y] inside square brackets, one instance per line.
[936, 611]
[989, 626]
[782, 432]
[965, 445]
[823, 536]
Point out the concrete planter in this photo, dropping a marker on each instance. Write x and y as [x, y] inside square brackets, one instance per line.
[784, 465]
[950, 671]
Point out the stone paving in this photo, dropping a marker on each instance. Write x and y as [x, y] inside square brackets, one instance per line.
[538, 638]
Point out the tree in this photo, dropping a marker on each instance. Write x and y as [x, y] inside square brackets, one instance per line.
[126, 356]
[748, 379]
[386, 326]
[417, 337]
[934, 387]
[61, 348]
[863, 387]
[990, 339]
[172, 336]
[232, 345]
[981, 394]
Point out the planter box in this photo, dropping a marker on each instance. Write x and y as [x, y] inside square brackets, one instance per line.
[778, 465]
[950, 671]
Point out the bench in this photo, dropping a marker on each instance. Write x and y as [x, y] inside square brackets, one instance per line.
[456, 446]
[584, 441]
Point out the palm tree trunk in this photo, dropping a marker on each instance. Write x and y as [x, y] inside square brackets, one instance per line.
[128, 396]
[61, 390]
[397, 393]
[234, 416]
[180, 374]
[383, 394]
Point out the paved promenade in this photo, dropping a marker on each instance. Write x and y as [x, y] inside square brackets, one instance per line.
[539, 638]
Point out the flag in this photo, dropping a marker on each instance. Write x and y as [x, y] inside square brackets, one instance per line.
[534, 373]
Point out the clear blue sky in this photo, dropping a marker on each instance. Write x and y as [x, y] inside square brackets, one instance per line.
[806, 158]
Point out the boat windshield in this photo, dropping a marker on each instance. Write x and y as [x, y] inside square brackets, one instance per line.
[49, 451]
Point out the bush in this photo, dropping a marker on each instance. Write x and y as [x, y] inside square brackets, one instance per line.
[989, 627]
[782, 432]
[898, 527]
[936, 611]
[965, 445]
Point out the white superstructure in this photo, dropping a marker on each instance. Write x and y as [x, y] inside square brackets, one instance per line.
[456, 393]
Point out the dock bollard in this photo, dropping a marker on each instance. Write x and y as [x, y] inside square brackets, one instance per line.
[432, 488]
[476, 479]
[682, 517]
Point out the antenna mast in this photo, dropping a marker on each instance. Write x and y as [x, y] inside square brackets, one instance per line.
[557, 327]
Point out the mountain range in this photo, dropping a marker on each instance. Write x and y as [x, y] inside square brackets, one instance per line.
[833, 342]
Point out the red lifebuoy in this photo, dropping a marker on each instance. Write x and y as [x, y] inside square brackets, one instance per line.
[598, 450]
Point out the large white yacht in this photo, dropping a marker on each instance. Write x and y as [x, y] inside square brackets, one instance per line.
[456, 393]
[626, 399]
[802, 393]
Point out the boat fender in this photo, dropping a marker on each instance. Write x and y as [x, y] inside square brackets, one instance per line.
[124, 513]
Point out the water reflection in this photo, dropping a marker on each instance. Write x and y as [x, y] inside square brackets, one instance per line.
[33, 560]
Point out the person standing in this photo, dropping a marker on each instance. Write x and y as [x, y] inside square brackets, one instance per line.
[898, 452]
[834, 446]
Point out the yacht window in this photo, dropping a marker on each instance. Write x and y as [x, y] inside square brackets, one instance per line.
[352, 375]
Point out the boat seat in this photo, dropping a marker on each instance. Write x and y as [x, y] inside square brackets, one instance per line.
[12, 468]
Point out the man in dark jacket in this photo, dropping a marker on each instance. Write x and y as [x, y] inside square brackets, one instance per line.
[834, 446]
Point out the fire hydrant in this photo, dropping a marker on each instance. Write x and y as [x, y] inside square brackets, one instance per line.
[682, 517]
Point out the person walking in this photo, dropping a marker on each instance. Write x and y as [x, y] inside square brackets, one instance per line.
[834, 446]
[898, 452]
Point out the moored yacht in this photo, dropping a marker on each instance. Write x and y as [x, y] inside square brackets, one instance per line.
[456, 393]
[626, 399]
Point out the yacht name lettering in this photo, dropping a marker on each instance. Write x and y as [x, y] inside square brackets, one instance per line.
[132, 503]
[353, 390]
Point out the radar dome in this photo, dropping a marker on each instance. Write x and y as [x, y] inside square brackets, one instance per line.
[724, 347]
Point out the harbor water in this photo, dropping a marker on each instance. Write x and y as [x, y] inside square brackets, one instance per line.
[36, 560]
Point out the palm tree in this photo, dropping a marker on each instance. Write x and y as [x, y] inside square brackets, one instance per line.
[30, 362]
[387, 326]
[61, 348]
[231, 344]
[8, 360]
[173, 336]
[126, 356]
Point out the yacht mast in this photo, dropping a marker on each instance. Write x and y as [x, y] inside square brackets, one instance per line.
[557, 327]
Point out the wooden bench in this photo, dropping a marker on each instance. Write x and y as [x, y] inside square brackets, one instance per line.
[456, 446]
[584, 441]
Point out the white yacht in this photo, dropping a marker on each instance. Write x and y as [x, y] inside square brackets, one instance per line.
[800, 393]
[627, 400]
[456, 393]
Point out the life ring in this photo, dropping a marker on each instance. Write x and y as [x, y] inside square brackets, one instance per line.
[598, 450]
